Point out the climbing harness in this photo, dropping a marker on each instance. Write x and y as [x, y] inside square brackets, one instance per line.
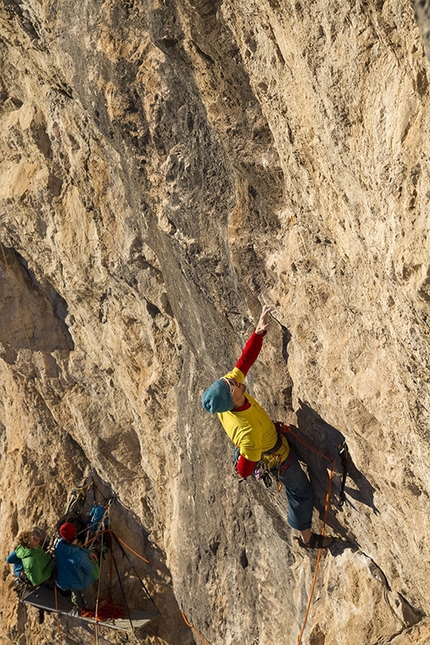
[265, 468]
[265, 472]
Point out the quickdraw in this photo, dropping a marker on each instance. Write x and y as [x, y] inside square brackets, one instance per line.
[262, 471]
[343, 452]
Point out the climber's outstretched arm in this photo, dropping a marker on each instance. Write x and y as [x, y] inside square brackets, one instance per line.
[255, 341]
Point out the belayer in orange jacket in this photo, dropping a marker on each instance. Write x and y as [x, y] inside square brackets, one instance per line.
[254, 434]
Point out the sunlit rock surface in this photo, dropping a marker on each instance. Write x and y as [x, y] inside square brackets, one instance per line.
[165, 169]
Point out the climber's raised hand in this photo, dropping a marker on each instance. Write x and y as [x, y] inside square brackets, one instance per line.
[263, 323]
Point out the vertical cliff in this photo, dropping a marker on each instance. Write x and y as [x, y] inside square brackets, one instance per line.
[166, 168]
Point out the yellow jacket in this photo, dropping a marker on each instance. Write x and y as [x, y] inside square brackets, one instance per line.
[252, 430]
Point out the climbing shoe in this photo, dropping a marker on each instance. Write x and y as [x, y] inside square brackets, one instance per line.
[316, 542]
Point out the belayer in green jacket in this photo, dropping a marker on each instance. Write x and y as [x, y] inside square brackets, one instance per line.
[38, 565]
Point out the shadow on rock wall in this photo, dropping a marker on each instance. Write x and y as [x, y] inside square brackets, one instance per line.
[31, 316]
[318, 444]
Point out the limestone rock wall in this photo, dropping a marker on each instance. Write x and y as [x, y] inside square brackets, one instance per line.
[166, 168]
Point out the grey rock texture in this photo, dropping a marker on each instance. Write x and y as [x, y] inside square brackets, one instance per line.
[422, 14]
[166, 168]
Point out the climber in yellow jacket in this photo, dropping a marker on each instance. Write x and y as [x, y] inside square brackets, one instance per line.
[254, 434]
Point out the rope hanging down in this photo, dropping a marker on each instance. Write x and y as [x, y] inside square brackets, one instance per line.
[343, 452]
[121, 542]
[191, 626]
[118, 539]
[327, 503]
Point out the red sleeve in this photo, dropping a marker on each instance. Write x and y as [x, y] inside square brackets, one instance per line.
[250, 352]
[245, 467]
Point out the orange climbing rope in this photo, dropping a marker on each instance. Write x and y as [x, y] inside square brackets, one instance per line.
[156, 566]
[308, 445]
[327, 504]
[191, 626]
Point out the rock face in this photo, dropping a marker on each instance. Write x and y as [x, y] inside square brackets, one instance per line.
[166, 168]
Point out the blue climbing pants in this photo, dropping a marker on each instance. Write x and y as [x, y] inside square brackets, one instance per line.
[299, 494]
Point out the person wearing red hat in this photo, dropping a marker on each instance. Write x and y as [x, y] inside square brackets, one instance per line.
[68, 531]
[75, 567]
